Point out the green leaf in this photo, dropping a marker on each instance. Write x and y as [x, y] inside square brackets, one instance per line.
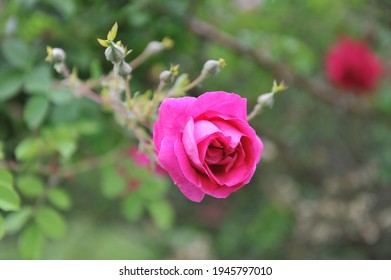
[35, 111]
[9, 199]
[95, 69]
[132, 207]
[60, 199]
[31, 243]
[15, 221]
[39, 80]
[30, 186]
[10, 84]
[87, 127]
[65, 8]
[162, 214]
[113, 32]
[61, 96]
[29, 148]
[103, 43]
[112, 184]
[65, 147]
[50, 222]
[6, 179]
[17, 53]
[2, 231]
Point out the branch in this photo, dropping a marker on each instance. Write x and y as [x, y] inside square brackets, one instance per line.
[283, 72]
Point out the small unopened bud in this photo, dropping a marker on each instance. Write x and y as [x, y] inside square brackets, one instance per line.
[166, 76]
[213, 67]
[266, 100]
[154, 47]
[115, 53]
[55, 55]
[58, 55]
[123, 69]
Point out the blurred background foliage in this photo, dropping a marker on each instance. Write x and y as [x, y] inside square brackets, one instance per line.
[321, 191]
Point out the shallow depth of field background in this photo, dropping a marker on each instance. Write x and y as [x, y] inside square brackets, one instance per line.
[323, 187]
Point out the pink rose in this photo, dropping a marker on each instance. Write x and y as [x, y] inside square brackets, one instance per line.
[206, 144]
[352, 65]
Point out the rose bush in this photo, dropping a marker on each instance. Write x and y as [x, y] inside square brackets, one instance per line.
[206, 144]
[352, 65]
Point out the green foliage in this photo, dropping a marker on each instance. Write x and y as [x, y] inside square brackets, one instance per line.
[50, 222]
[162, 214]
[39, 80]
[270, 227]
[29, 148]
[10, 84]
[9, 199]
[35, 111]
[60, 199]
[132, 207]
[31, 242]
[112, 183]
[61, 96]
[15, 221]
[6, 178]
[30, 186]
[17, 53]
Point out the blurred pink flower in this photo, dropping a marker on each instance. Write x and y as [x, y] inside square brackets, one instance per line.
[142, 160]
[350, 64]
[206, 144]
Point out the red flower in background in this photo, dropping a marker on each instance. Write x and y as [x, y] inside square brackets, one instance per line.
[142, 160]
[351, 64]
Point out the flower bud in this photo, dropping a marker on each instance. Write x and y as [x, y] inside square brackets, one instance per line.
[166, 76]
[58, 55]
[115, 53]
[123, 69]
[154, 47]
[55, 55]
[213, 67]
[266, 99]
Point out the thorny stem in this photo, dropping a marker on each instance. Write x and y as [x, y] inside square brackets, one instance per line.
[257, 109]
[160, 87]
[88, 93]
[156, 97]
[139, 59]
[71, 170]
[128, 92]
[64, 70]
[194, 83]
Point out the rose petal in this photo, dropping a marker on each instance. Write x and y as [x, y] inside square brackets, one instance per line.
[172, 118]
[219, 191]
[187, 169]
[220, 102]
[204, 128]
[168, 159]
[228, 129]
[205, 143]
[190, 145]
